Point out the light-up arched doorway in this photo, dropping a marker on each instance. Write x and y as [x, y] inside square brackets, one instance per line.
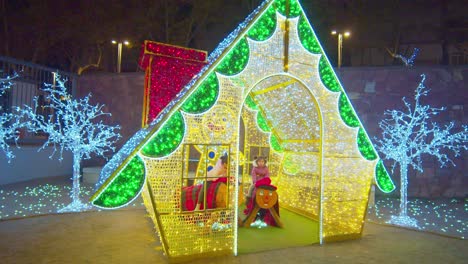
[280, 119]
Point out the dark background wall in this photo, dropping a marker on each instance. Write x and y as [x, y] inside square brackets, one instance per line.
[122, 95]
[372, 90]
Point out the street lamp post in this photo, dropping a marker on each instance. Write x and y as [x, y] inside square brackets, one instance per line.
[340, 43]
[119, 51]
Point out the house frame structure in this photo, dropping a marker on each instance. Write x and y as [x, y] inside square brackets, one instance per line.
[268, 89]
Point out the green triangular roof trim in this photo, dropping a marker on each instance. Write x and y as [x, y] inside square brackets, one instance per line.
[307, 37]
[204, 97]
[346, 111]
[265, 26]
[125, 187]
[275, 143]
[262, 123]
[383, 179]
[250, 103]
[167, 139]
[327, 75]
[236, 60]
[365, 146]
[282, 7]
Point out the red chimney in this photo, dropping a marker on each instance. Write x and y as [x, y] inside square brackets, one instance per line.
[168, 69]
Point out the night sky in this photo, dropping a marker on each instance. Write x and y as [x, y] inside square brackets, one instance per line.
[69, 34]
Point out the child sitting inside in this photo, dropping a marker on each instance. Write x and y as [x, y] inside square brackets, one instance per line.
[259, 171]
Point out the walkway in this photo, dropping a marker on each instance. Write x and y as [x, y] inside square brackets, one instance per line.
[127, 236]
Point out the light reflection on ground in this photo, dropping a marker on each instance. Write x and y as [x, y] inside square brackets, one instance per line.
[43, 197]
[447, 216]
[444, 216]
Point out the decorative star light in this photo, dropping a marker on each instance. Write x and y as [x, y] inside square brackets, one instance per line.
[75, 126]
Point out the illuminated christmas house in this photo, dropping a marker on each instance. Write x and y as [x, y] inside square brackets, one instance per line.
[268, 89]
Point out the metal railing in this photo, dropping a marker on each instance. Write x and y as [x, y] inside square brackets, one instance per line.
[29, 83]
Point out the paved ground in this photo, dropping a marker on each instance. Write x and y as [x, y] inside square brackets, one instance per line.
[47, 195]
[127, 236]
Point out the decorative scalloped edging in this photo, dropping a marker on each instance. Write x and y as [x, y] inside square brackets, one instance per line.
[124, 187]
[167, 139]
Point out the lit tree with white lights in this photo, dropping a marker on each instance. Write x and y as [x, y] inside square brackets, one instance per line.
[75, 126]
[6, 83]
[408, 135]
[9, 124]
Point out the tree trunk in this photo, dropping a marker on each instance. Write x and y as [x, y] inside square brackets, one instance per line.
[76, 205]
[403, 189]
[76, 177]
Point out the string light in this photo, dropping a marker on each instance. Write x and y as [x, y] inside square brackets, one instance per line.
[385, 182]
[409, 62]
[205, 96]
[406, 136]
[307, 37]
[346, 112]
[291, 6]
[9, 123]
[6, 82]
[328, 76]
[364, 145]
[265, 26]
[169, 68]
[124, 188]
[167, 139]
[73, 127]
[41, 199]
[443, 216]
[236, 60]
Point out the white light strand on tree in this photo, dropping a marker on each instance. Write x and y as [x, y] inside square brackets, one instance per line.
[75, 126]
[6, 83]
[408, 61]
[9, 123]
[408, 135]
